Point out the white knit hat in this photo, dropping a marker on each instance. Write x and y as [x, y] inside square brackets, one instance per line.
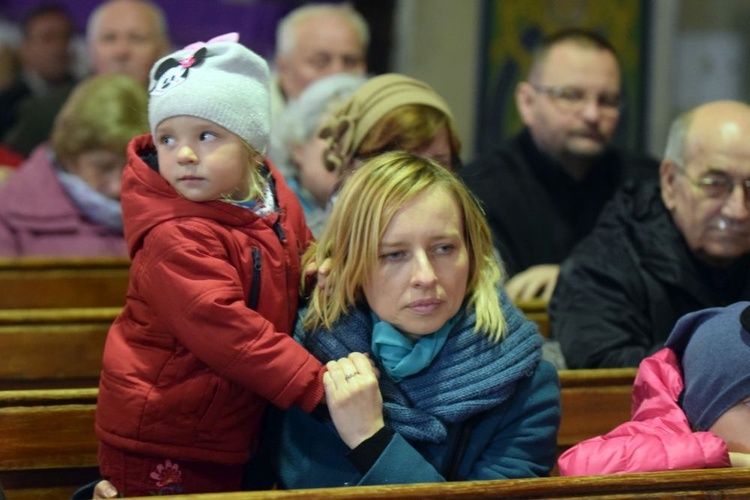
[221, 81]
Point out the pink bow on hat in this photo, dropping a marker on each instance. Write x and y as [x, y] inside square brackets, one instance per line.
[227, 37]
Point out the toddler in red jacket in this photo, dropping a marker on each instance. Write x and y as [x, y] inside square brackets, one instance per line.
[691, 403]
[215, 237]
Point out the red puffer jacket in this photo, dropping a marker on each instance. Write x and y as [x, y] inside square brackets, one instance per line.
[188, 366]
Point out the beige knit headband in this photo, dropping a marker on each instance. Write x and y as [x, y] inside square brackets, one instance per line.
[347, 126]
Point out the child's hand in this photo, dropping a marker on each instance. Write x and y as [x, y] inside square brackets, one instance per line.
[739, 459]
[104, 489]
[322, 272]
[353, 398]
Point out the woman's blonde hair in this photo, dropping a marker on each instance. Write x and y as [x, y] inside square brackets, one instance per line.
[361, 214]
[102, 113]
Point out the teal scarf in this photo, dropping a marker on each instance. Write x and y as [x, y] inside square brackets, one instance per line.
[400, 356]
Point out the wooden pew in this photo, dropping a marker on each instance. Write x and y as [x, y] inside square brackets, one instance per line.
[62, 348]
[47, 442]
[49, 449]
[536, 311]
[593, 402]
[693, 485]
[36, 282]
[49, 348]
[63, 282]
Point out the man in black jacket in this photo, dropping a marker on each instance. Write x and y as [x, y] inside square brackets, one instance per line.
[46, 61]
[544, 189]
[123, 37]
[662, 250]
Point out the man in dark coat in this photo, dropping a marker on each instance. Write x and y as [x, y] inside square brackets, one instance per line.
[661, 251]
[46, 61]
[544, 190]
[123, 37]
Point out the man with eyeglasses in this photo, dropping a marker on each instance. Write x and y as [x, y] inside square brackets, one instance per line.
[543, 190]
[660, 251]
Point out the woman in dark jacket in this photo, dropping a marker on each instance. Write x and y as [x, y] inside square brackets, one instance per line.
[462, 393]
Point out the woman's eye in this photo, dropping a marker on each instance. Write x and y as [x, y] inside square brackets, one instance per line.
[444, 248]
[392, 255]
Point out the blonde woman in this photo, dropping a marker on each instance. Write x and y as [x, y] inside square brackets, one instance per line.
[463, 393]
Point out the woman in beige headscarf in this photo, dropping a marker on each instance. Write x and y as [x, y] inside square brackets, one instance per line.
[390, 112]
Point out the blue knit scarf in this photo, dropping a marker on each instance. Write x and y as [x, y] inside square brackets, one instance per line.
[470, 373]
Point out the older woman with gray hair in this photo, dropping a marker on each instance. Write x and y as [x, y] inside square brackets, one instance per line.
[297, 151]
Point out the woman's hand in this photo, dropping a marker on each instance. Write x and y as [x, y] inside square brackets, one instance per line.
[353, 398]
[104, 489]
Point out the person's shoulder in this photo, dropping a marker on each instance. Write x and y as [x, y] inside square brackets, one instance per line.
[540, 390]
[634, 208]
[186, 229]
[632, 203]
[635, 166]
[43, 106]
[501, 161]
[36, 170]
[609, 244]
[15, 91]
[35, 120]
[545, 375]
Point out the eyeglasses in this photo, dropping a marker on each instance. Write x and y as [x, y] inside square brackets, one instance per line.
[717, 184]
[573, 99]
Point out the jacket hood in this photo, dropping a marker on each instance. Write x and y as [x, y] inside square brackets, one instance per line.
[149, 200]
[714, 347]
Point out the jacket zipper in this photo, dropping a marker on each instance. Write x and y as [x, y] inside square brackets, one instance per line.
[278, 229]
[254, 295]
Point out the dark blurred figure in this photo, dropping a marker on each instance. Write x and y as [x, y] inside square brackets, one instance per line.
[45, 58]
[123, 37]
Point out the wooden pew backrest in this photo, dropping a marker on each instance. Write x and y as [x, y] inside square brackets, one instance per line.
[536, 311]
[47, 441]
[593, 402]
[63, 282]
[48, 348]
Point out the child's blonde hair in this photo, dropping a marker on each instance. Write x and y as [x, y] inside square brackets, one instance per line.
[255, 179]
